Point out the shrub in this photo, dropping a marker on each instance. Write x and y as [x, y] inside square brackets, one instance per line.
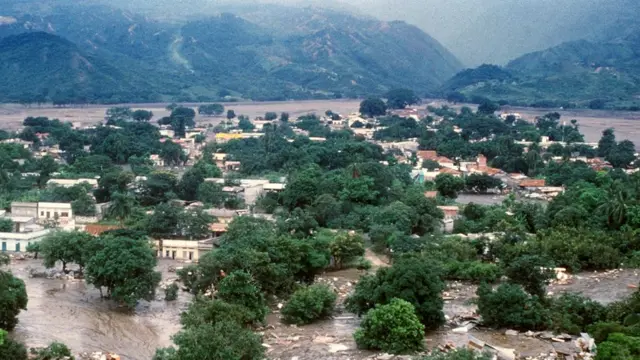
[171, 292]
[475, 271]
[12, 350]
[205, 311]
[619, 347]
[393, 328]
[55, 351]
[572, 313]
[600, 331]
[413, 279]
[509, 306]
[309, 304]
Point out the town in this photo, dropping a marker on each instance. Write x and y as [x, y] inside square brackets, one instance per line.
[432, 218]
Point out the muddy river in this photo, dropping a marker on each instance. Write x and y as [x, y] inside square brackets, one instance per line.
[73, 313]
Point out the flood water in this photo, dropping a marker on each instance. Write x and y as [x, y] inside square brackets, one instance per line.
[73, 313]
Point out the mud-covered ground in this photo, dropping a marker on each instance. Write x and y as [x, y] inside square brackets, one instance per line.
[73, 313]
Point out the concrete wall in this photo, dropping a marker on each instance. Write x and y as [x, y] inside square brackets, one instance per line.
[12, 242]
[181, 249]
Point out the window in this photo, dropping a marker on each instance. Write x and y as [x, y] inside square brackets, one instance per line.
[190, 255]
[167, 253]
[64, 214]
[55, 214]
[41, 213]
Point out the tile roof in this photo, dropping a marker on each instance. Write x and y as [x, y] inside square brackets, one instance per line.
[533, 183]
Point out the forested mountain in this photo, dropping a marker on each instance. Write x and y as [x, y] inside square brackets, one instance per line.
[599, 74]
[330, 54]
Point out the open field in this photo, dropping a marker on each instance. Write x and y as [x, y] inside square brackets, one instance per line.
[592, 122]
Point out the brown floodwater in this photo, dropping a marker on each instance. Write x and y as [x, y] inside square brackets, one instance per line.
[73, 313]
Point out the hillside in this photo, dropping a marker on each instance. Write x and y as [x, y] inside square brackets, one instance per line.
[39, 66]
[331, 54]
[578, 73]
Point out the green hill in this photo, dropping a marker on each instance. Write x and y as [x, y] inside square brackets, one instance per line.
[579, 73]
[39, 66]
[331, 54]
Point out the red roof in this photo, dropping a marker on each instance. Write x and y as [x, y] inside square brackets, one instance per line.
[430, 194]
[218, 227]
[98, 229]
[449, 171]
[428, 155]
[532, 183]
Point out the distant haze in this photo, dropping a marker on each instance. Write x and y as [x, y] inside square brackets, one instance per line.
[477, 31]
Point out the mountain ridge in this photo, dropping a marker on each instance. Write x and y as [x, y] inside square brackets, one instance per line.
[199, 59]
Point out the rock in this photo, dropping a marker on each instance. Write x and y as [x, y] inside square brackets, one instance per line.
[384, 357]
[267, 346]
[632, 286]
[171, 269]
[511, 333]
[323, 339]
[334, 348]
[555, 339]
[530, 333]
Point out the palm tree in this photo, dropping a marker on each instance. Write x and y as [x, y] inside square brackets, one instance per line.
[615, 209]
[121, 207]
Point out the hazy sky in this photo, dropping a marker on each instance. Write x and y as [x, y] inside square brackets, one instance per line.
[477, 31]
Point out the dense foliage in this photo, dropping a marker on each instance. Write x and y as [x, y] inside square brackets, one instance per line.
[309, 304]
[392, 328]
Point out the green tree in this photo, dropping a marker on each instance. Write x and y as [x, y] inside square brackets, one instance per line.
[203, 311]
[13, 298]
[392, 328]
[449, 186]
[346, 247]
[239, 288]
[270, 116]
[457, 354]
[284, 117]
[142, 115]
[231, 114]
[619, 347]
[121, 207]
[482, 182]
[413, 279]
[117, 114]
[622, 155]
[607, 142]
[532, 272]
[172, 153]
[125, 267]
[194, 224]
[13, 350]
[223, 340]
[210, 193]
[211, 109]
[34, 248]
[401, 98]
[6, 225]
[181, 118]
[488, 108]
[246, 125]
[66, 247]
[510, 307]
[309, 304]
[85, 205]
[373, 107]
